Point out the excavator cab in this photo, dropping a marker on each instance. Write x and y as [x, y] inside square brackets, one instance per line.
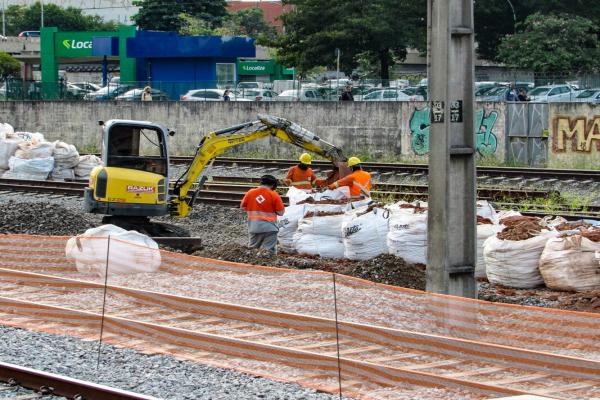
[134, 179]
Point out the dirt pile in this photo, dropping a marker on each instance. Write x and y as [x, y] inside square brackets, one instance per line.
[387, 269]
[519, 228]
[43, 218]
[587, 301]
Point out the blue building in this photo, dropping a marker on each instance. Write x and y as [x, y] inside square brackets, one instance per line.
[180, 63]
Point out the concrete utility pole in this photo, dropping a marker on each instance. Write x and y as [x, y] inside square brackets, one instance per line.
[452, 179]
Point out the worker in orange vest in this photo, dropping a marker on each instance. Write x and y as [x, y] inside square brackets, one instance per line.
[263, 205]
[358, 181]
[301, 176]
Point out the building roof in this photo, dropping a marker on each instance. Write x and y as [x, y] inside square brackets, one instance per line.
[271, 10]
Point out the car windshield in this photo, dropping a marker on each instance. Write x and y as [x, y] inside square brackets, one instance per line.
[539, 91]
[495, 91]
[373, 95]
[586, 94]
[484, 90]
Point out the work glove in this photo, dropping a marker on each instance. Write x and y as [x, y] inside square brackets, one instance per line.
[332, 186]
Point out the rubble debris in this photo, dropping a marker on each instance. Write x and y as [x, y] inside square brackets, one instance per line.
[484, 221]
[519, 228]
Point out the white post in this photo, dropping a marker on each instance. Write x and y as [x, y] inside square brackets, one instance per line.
[3, 18]
[42, 5]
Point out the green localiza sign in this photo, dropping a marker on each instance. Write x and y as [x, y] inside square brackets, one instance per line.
[76, 44]
[255, 67]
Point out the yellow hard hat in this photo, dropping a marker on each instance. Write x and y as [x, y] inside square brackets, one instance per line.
[352, 161]
[305, 158]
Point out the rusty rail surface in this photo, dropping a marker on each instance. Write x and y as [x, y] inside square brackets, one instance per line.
[47, 383]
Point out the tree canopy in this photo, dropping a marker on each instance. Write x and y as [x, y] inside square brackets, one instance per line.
[380, 30]
[494, 18]
[28, 18]
[249, 22]
[173, 15]
[8, 65]
[553, 43]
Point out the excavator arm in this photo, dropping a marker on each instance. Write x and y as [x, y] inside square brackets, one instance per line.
[215, 143]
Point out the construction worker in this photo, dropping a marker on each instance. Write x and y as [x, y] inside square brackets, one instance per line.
[358, 181]
[263, 205]
[301, 176]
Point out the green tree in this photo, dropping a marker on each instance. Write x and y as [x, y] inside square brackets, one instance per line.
[28, 18]
[553, 43]
[494, 18]
[379, 29]
[9, 66]
[169, 15]
[249, 22]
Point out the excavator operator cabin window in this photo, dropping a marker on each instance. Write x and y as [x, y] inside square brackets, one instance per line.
[137, 148]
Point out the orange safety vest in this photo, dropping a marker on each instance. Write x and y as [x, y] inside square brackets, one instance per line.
[359, 183]
[262, 204]
[301, 179]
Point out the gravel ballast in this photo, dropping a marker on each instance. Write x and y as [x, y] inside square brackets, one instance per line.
[150, 374]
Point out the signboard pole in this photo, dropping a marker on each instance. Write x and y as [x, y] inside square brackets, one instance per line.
[452, 178]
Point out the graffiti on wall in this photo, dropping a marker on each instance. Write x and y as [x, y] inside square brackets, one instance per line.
[580, 132]
[486, 140]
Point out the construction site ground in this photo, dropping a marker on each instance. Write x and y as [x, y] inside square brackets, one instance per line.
[224, 237]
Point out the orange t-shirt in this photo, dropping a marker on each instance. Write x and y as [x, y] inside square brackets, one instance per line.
[262, 205]
[301, 179]
[359, 183]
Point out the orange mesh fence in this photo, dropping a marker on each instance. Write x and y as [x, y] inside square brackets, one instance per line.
[388, 342]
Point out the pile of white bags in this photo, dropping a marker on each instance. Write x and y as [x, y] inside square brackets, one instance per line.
[29, 150]
[8, 147]
[365, 233]
[6, 131]
[514, 263]
[484, 231]
[129, 252]
[86, 164]
[407, 236]
[571, 263]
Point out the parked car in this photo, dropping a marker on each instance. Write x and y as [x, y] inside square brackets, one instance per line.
[588, 96]
[79, 89]
[108, 92]
[210, 95]
[136, 95]
[552, 93]
[259, 94]
[28, 34]
[495, 94]
[389, 95]
[300, 95]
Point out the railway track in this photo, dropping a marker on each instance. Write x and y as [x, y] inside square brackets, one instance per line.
[373, 359]
[229, 191]
[45, 384]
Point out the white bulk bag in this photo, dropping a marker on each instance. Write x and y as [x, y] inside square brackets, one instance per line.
[296, 195]
[61, 174]
[30, 150]
[365, 233]
[34, 137]
[407, 236]
[571, 263]
[288, 224]
[485, 210]
[329, 225]
[6, 131]
[129, 252]
[320, 245]
[37, 168]
[329, 208]
[8, 147]
[484, 231]
[65, 155]
[514, 263]
[340, 193]
[86, 164]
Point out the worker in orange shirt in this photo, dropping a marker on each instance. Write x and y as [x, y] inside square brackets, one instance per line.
[358, 181]
[301, 176]
[263, 205]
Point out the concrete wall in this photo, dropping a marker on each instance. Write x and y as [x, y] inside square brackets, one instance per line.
[574, 136]
[382, 130]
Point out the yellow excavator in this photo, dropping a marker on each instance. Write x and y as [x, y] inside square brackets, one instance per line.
[134, 182]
